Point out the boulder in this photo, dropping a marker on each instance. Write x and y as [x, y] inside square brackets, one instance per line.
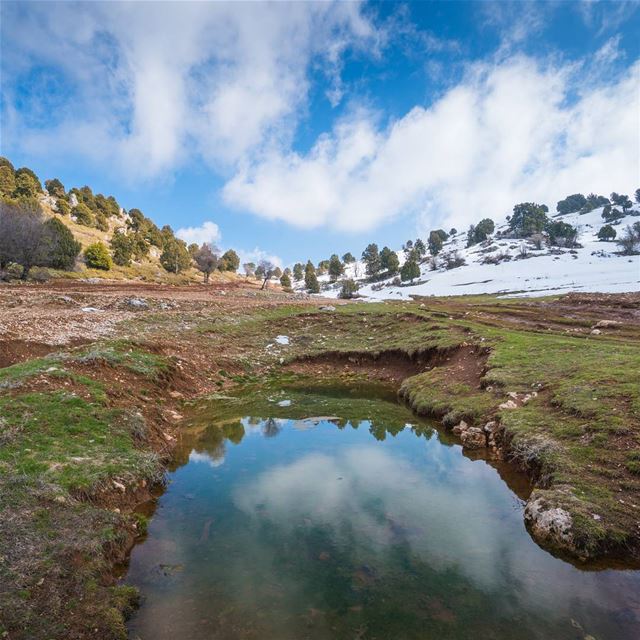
[606, 324]
[137, 303]
[460, 428]
[473, 438]
[509, 404]
[327, 307]
[549, 523]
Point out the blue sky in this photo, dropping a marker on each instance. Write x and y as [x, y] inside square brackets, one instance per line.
[299, 130]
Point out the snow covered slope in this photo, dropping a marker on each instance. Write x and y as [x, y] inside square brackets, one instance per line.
[593, 267]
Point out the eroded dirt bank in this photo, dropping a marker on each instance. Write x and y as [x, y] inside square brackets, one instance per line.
[93, 379]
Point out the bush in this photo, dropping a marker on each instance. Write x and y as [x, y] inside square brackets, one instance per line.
[7, 181]
[571, 204]
[452, 260]
[410, 270]
[285, 281]
[97, 256]
[175, 256]
[83, 215]
[630, 240]
[229, 261]
[349, 289]
[480, 232]
[55, 188]
[64, 247]
[562, 233]
[63, 207]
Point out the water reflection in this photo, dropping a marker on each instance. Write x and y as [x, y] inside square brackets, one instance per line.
[315, 529]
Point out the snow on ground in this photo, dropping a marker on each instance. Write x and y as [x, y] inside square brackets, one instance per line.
[594, 267]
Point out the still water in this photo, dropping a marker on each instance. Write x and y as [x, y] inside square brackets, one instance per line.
[362, 523]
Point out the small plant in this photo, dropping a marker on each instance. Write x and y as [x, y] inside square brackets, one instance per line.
[97, 256]
[349, 289]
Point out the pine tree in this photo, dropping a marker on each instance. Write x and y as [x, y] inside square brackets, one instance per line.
[336, 268]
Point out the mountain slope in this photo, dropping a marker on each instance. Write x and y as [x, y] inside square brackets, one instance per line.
[594, 266]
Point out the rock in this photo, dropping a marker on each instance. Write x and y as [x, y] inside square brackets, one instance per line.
[595, 332]
[460, 428]
[327, 307]
[473, 438]
[137, 303]
[490, 427]
[176, 394]
[73, 200]
[513, 394]
[548, 523]
[606, 324]
[119, 486]
[509, 404]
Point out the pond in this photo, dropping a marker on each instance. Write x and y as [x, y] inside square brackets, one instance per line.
[324, 515]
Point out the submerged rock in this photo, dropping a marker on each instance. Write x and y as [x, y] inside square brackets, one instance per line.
[473, 438]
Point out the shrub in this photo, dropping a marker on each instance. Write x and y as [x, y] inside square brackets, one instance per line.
[64, 248]
[452, 260]
[630, 240]
[410, 270]
[285, 281]
[83, 215]
[55, 188]
[7, 181]
[229, 261]
[528, 218]
[480, 232]
[122, 248]
[349, 289]
[63, 207]
[571, 204]
[562, 233]
[97, 256]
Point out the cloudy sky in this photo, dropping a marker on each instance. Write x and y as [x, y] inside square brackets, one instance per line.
[301, 129]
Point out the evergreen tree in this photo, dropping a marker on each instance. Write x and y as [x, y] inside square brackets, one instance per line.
[420, 248]
[606, 233]
[528, 218]
[121, 248]
[7, 181]
[64, 248]
[349, 289]
[410, 269]
[230, 261]
[310, 279]
[174, 257]
[55, 188]
[206, 260]
[348, 258]
[371, 258]
[435, 243]
[285, 281]
[298, 273]
[637, 195]
[336, 268]
[571, 204]
[83, 215]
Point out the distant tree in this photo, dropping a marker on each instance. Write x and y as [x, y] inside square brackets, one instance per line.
[37, 185]
[136, 219]
[97, 256]
[571, 204]
[101, 222]
[480, 232]
[528, 218]
[249, 269]
[26, 186]
[323, 267]
[298, 272]
[593, 202]
[55, 188]
[393, 263]
[5, 162]
[385, 256]
[277, 272]
[410, 270]
[407, 247]
[193, 248]
[610, 214]
[310, 279]
[265, 268]
[175, 257]
[63, 207]
[630, 240]
[83, 215]
[453, 231]
[206, 260]
[371, 259]
[63, 247]
[336, 268]
[637, 196]
[435, 243]
[562, 233]
[348, 258]
[7, 181]
[444, 236]
[230, 261]
[121, 248]
[420, 247]
[606, 233]
[349, 289]
[285, 281]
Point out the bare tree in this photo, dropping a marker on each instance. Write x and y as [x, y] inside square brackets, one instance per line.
[266, 268]
[206, 259]
[24, 238]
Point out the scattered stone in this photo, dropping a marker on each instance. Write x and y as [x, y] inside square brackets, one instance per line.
[119, 486]
[606, 324]
[596, 516]
[595, 332]
[509, 404]
[90, 309]
[137, 303]
[327, 307]
[176, 394]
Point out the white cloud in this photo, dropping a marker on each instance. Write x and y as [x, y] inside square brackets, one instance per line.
[509, 132]
[257, 254]
[147, 86]
[208, 232]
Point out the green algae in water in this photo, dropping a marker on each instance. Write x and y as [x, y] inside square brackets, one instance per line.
[298, 514]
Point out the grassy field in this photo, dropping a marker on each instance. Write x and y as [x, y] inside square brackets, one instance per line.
[86, 430]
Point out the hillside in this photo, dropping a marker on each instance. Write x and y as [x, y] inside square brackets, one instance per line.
[93, 219]
[517, 268]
